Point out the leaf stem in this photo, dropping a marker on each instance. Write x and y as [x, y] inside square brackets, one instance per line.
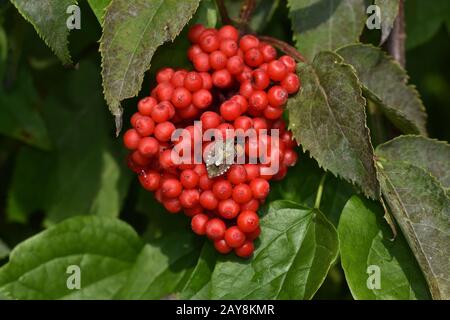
[283, 46]
[246, 13]
[320, 191]
[396, 41]
[223, 12]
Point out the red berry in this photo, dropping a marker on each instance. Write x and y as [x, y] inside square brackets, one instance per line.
[289, 62]
[173, 205]
[291, 83]
[189, 178]
[131, 139]
[209, 43]
[189, 198]
[222, 189]
[149, 180]
[246, 89]
[228, 209]
[242, 101]
[148, 146]
[164, 130]
[242, 193]
[277, 96]
[145, 126]
[171, 188]
[235, 65]
[210, 120]
[164, 75]
[252, 205]
[145, 106]
[237, 174]
[193, 81]
[230, 110]
[254, 234]
[178, 78]
[161, 112]
[208, 200]
[247, 42]
[222, 78]
[218, 60]
[215, 229]
[246, 250]
[188, 113]
[134, 118]
[229, 47]
[258, 100]
[252, 171]
[260, 124]
[190, 212]
[193, 51]
[164, 91]
[201, 62]
[260, 79]
[269, 53]
[181, 98]
[139, 159]
[243, 122]
[248, 221]
[202, 98]
[234, 237]
[228, 32]
[194, 32]
[207, 80]
[277, 70]
[198, 223]
[260, 188]
[222, 247]
[272, 113]
[205, 183]
[290, 158]
[253, 57]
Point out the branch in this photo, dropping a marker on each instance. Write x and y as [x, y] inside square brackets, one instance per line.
[223, 12]
[396, 41]
[246, 13]
[283, 46]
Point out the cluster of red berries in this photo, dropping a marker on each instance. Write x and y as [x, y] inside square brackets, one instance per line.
[238, 83]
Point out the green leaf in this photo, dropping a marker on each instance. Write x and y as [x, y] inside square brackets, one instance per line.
[364, 239]
[99, 7]
[85, 172]
[386, 82]
[328, 118]
[49, 18]
[132, 31]
[429, 154]
[4, 250]
[423, 20]
[421, 206]
[261, 15]
[296, 249]
[104, 249]
[389, 12]
[320, 25]
[19, 114]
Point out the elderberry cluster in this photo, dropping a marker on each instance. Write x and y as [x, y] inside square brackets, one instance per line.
[237, 83]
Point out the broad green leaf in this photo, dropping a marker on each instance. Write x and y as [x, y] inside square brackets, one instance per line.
[364, 239]
[132, 31]
[328, 118]
[423, 20]
[49, 18]
[261, 15]
[431, 155]
[85, 172]
[99, 7]
[386, 82]
[4, 250]
[389, 12]
[104, 249]
[20, 117]
[291, 260]
[320, 25]
[421, 207]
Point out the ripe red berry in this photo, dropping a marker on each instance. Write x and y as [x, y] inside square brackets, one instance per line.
[164, 91]
[144, 126]
[164, 75]
[190, 212]
[218, 60]
[164, 130]
[260, 79]
[258, 100]
[201, 62]
[277, 96]
[134, 118]
[215, 229]
[208, 200]
[198, 223]
[242, 101]
[243, 122]
[222, 78]
[178, 78]
[189, 198]
[189, 178]
[229, 47]
[247, 42]
[222, 247]
[253, 57]
[139, 159]
[246, 89]
[228, 32]
[269, 53]
[209, 42]
[171, 188]
[234, 237]
[252, 171]
[260, 188]
[202, 98]
[189, 112]
[230, 110]
[289, 62]
[254, 234]
[260, 124]
[248, 221]
[290, 158]
[237, 174]
[145, 106]
[150, 179]
[228, 209]
[193, 51]
[173, 205]
[272, 113]
[246, 250]
[205, 183]
[242, 193]
[193, 81]
[291, 83]
[194, 32]
[161, 112]
[222, 189]
[148, 146]
[210, 120]
[235, 65]
[207, 80]
[252, 205]
[277, 70]
[131, 139]
[181, 98]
